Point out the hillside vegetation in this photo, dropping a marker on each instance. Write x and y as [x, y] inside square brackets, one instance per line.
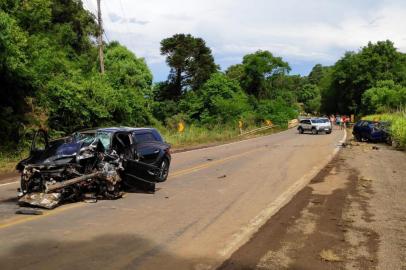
[49, 77]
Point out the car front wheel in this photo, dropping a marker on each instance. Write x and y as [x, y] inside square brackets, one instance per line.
[300, 130]
[358, 138]
[163, 170]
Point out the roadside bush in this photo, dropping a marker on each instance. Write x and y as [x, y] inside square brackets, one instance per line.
[278, 111]
[220, 100]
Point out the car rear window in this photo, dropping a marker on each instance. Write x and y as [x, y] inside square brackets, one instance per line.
[317, 121]
[144, 137]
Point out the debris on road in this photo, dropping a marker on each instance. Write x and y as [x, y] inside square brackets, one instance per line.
[29, 212]
[329, 256]
[222, 176]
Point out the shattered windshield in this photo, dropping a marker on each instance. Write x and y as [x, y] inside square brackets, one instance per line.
[105, 138]
[86, 137]
[89, 137]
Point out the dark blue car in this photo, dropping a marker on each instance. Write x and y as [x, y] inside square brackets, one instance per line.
[371, 131]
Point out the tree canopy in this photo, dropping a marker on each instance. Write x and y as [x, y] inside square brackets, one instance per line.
[191, 64]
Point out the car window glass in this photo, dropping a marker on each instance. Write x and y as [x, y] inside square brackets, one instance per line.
[144, 137]
[104, 138]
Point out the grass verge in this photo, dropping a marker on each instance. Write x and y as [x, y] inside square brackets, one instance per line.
[197, 136]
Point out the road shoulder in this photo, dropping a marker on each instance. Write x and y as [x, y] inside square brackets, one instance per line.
[351, 216]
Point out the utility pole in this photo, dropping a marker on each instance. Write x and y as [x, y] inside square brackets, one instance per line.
[100, 37]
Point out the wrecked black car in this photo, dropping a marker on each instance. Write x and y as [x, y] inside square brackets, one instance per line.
[97, 164]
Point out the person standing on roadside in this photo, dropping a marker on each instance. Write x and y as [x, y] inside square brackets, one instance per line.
[332, 120]
[344, 122]
[338, 120]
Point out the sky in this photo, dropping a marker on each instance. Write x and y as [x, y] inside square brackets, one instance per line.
[302, 32]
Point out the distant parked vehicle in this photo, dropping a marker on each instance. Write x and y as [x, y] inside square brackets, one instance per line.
[315, 125]
[371, 131]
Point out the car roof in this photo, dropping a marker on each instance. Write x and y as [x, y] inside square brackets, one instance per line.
[124, 129]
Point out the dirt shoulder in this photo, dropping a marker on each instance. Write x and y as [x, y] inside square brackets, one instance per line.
[351, 216]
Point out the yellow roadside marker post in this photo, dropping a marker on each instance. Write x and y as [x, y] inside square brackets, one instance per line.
[181, 127]
[268, 123]
[240, 125]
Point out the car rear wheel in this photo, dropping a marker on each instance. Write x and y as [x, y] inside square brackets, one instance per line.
[314, 131]
[163, 170]
[300, 130]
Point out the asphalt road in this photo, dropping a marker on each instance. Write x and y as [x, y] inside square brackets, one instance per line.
[212, 202]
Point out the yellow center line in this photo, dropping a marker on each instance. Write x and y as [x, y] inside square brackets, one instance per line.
[209, 164]
[46, 213]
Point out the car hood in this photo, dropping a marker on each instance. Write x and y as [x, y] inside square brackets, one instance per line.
[58, 153]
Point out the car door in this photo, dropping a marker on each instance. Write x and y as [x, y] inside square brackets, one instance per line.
[307, 124]
[147, 147]
[365, 130]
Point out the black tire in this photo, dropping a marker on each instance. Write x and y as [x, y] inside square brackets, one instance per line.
[163, 170]
[314, 131]
[328, 132]
[358, 138]
[300, 130]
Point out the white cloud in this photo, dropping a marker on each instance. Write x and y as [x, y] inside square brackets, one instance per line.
[301, 31]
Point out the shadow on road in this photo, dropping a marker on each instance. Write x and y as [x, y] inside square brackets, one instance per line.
[111, 251]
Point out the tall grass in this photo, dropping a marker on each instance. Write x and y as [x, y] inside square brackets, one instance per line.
[9, 159]
[398, 125]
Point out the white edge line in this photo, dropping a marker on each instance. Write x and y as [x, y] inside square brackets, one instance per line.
[245, 233]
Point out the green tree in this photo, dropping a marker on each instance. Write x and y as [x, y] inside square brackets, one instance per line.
[220, 100]
[259, 67]
[384, 97]
[191, 63]
[316, 74]
[125, 70]
[235, 72]
[356, 72]
[15, 77]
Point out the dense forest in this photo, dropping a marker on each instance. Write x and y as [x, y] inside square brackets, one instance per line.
[49, 77]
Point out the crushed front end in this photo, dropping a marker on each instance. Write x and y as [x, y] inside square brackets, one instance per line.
[69, 170]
